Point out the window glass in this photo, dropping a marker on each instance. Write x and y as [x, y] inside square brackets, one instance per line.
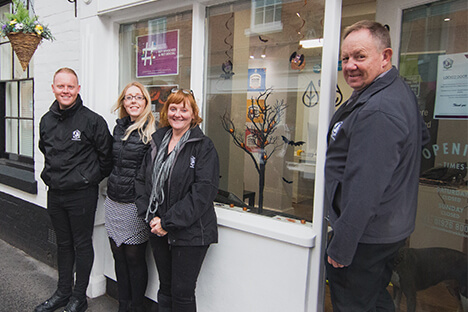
[157, 53]
[262, 99]
[11, 100]
[266, 16]
[11, 136]
[433, 61]
[19, 131]
[26, 101]
[26, 138]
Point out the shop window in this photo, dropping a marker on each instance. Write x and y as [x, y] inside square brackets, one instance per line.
[157, 53]
[262, 99]
[16, 119]
[433, 60]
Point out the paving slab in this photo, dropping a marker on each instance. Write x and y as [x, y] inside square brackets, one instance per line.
[25, 282]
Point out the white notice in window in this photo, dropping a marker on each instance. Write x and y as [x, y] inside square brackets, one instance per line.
[452, 87]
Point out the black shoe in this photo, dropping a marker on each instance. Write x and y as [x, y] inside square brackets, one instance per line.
[76, 305]
[53, 303]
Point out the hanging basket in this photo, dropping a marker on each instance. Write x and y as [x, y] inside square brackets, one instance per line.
[24, 45]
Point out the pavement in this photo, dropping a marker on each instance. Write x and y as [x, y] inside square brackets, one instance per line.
[25, 282]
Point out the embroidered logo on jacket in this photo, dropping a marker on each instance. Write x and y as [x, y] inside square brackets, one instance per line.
[76, 136]
[192, 162]
[335, 130]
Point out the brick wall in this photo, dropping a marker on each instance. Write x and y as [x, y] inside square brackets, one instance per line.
[27, 227]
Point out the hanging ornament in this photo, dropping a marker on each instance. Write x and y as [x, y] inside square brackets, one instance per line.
[296, 59]
[227, 66]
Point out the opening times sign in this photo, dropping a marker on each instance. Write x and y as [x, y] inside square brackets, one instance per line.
[158, 54]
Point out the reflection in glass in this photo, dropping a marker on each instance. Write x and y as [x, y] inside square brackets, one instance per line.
[11, 99]
[26, 100]
[26, 138]
[431, 35]
[249, 73]
[11, 136]
[156, 32]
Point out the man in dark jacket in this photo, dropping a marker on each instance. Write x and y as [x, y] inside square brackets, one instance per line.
[371, 173]
[77, 148]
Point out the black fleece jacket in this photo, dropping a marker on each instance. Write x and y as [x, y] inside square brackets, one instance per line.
[187, 213]
[77, 147]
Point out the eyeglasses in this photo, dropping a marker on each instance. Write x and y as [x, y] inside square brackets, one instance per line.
[185, 91]
[128, 98]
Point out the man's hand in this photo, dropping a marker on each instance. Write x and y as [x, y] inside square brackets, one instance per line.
[335, 264]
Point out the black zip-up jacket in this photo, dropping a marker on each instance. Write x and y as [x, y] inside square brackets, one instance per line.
[127, 157]
[187, 213]
[77, 147]
[372, 167]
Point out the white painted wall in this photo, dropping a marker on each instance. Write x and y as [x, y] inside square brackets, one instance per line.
[260, 265]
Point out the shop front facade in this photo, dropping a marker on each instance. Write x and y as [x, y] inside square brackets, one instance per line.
[267, 77]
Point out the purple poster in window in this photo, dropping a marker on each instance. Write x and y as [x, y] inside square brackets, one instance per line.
[158, 54]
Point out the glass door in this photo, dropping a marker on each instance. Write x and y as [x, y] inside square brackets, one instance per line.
[432, 272]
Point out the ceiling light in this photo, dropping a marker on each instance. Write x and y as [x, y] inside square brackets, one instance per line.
[311, 43]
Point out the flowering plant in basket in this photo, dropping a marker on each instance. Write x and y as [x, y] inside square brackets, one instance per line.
[25, 32]
[21, 22]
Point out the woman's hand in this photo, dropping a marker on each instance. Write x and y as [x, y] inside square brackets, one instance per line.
[156, 227]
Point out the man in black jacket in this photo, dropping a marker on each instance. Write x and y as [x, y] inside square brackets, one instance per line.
[77, 148]
[372, 172]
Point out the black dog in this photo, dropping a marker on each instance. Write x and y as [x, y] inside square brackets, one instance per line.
[419, 269]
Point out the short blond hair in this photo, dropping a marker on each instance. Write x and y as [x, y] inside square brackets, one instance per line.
[66, 70]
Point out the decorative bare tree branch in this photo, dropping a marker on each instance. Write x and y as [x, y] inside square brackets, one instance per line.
[264, 120]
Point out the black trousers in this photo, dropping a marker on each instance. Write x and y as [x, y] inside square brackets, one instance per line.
[72, 214]
[362, 286]
[178, 269]
[131, 271]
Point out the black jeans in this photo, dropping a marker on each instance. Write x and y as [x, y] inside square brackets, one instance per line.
[72, 214]
[362, 286]
[131, 271]
[178, 269]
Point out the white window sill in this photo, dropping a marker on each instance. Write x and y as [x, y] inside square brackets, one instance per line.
[281, 229]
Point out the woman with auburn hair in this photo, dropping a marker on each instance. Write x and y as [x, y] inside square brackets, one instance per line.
[128, 233]
[176, 186]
